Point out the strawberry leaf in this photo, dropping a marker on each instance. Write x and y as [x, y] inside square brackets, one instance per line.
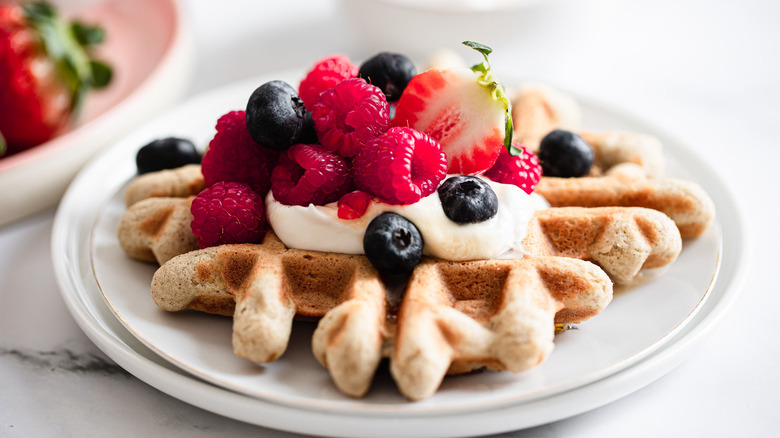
[39, 11]
[101, 74]
[485, 50]
[488, 80]
[87, 35]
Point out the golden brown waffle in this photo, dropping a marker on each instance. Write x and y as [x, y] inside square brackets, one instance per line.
[622, 241]
[627, 170]
[683, 201]
[157, 229]
[454, 316]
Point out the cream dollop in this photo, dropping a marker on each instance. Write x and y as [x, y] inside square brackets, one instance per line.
[318, 227]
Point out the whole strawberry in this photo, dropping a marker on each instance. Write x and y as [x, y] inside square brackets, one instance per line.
[45, 72]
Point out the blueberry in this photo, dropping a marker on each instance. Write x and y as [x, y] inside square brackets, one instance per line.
[275, 116]
[467, 199]
[309, 134]
[565, 154]
[166, 153]
[392, 244]
[391, 72]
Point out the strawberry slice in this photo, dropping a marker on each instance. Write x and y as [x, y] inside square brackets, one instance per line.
[45, 72]
[465, 110]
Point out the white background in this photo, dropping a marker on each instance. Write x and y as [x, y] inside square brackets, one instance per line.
[705, 71]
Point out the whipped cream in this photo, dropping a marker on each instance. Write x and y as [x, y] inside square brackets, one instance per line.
[318, 227]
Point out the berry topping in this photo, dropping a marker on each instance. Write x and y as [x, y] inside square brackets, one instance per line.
[400, 167]
[228, 212]
[308, 174]
[465, 110]
[468, 199]
[391, 72]
[565, 154]
[522, 170]
[392, 244]
[349, 115]
[234, 156]
[324, 75]
[166, 153]
[275, 115]
[353, 205]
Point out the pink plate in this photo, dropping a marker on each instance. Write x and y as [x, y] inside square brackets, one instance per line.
[149, 47]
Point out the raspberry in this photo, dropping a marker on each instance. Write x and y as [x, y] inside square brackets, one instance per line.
[234, 156]
[349, 115]
[324, 75]
[308, 174]
[228, 212]
[523, 170]
[353, 205]
[400, 167]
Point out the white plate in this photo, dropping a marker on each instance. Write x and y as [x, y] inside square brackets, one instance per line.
[640, 336]
[149, 45]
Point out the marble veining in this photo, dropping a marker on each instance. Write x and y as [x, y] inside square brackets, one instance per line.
[64, 359]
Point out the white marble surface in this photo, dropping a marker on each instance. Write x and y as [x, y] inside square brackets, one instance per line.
[706, 71]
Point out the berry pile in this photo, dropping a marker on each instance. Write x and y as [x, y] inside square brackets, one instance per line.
[352, 146]
[301, 146]
[334, 140]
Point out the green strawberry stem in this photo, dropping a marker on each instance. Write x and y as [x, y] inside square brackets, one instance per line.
[68, 44]
[3, 146]
[487, 79]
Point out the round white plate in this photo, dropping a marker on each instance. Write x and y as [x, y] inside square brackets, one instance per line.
[149, 45]
[641, 335]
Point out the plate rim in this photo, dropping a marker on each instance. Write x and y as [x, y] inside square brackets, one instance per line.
[665, 357]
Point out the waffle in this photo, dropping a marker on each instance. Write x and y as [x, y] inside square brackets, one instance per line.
[454, 316]
[178, 183]
[538, 109]
[447, 318]
[157, 229]
[622, 241]
[627, 171]
[685, 202]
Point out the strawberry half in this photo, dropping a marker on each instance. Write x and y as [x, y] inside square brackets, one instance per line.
[45, 72]
[467, 111]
